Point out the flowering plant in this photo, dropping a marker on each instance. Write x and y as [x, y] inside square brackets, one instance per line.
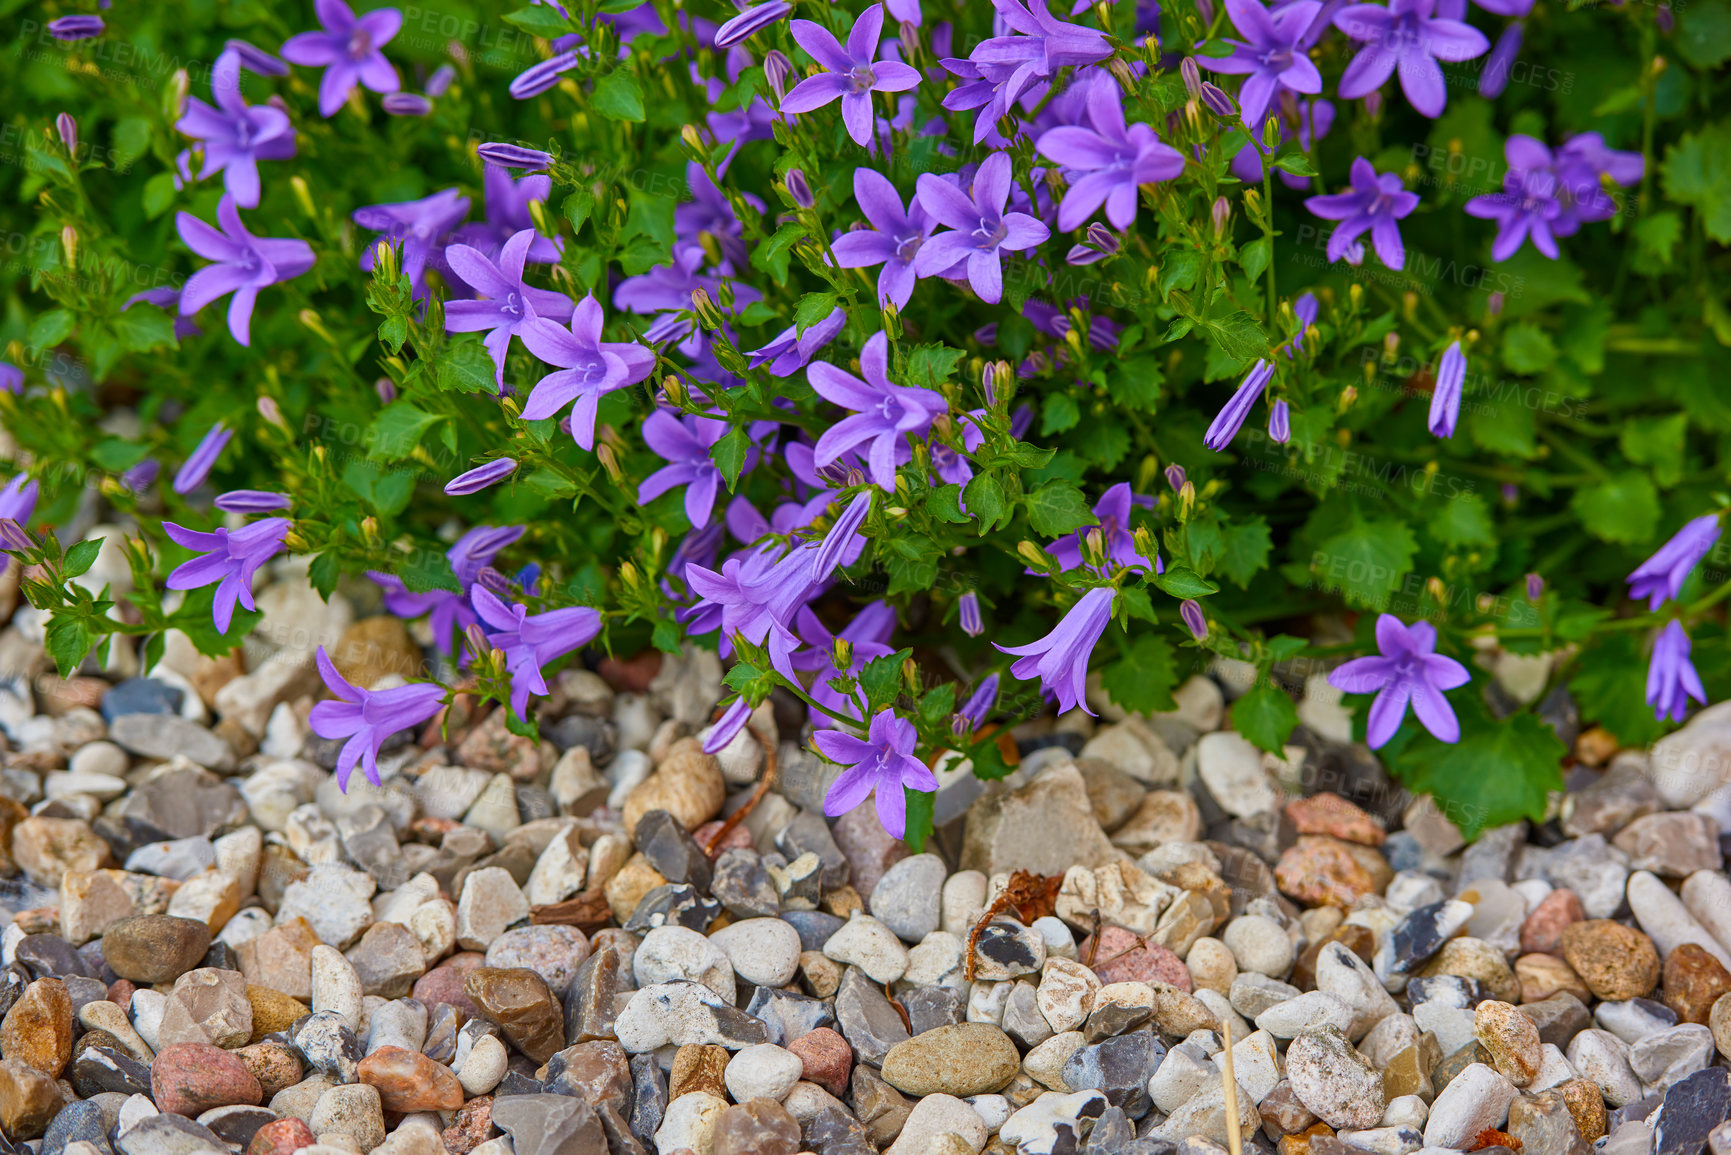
[937, 364]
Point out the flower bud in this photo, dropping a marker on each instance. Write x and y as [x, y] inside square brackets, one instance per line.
[776, 69]
[1175, 477]
[1494, 305]
[475, 640]
[1034, 556]
[1271, 133]
[1102, 238]
[610, 462]
[692, 140]
[1535, 587]
[272, 412]
[1373, 105]
[386, 389]
[68, 128]
[174, 94]
[841, 655]
[1186, 500]
[1191, 611]
[303, 195]
[798, 190]
[542, 219]
[1347, 397]
[1218, 102]
[69, 243]
[1222, 213]
[892, 319]
[704, 306]
[1192, 77]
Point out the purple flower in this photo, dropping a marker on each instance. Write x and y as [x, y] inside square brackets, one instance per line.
[685, 443]
[472, 553]
[252, 501]
[893, 241]
[1230, 420]
[1528, 206]
[843, 538]
[1023, 63]
[1375, 203]
[709, 211]
[167, 298]
[983, 231]
[514, 156]
[589, 368]
[1671, 679]
[977, 708]
[1271, 56]
[143, 475]
[538, 78]
[348, 49]
[753, 597]
[1060, 659]
[1197, 622]
[13, 538]
[245, 264]
[1405, 35]
[851, 74]
[509, 305]
[1495, 76]
[749, 23]
[256, 59]
[203, 458]
[1445, 398]
[885, 413]
[236, 135]
[1662, 575]
[1535, 587]
[480, 477]
[1176, 477]
[508, 214]
[12, 377]
[789, 351]
[1305, 310]
[229, 562]
[406, 104]
[968, 614]
[883, 762]
[1408, 669]
[368, 717]
[75, 27]
[1582, 165]
[67, 127]
[418, 226]
[1279, 423]
[667, 289]
[728, 726]
[1113, 511]
[18, 502]
[531, 641]
[1110, 161]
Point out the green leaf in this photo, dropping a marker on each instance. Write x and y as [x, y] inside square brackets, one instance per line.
[881, 679]
[1499, 772]
[1136, 384]
[910, 575]
[1179, 271]
[773, 255]
[944, 504]
[985, 497]
[1265, 716]
[813, 307]
[1704, 33]
[1359, 556]
[68, 639]
[131, 138]
[1244, 550]
[1142, 682]
[116, 455]
[1658, 442]
[1237, 335]
[193, 618]
[920, 805]
[1658, 234]
[142, 329]
[618, 96]
[1135, 603]
[729, 454]
[1058, 413]
[1462, 521]
[1185, 583]
[931, 365]
[524, 728]
[387, 491]
[1527, 348]
[465, 367]
[1623, 508]
[649, 215]
[324, 573]
[1056, 508]
[1610, 686]
[542, 20]
[577, 208]
[396, 430]
[1253, 259]
[51, 328]
[159, 194]
[1293, 159]
[1697, 171]
[81, 557]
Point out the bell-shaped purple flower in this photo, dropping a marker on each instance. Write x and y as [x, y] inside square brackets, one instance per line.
[885, 413]
[1375, 204]
[1445, 398]
[1279, 422]
[1060, 659]
[1113, 510]
[1408, 670]
[754, 597]
[17, 503]
[252, 501]
[230, 560]
[883, 762]
[236, 135]
[203, 459]
[508, 304]
[1271, 55]
[728, 726]
[1405, 35]
[1109, 162]
[842, 544]
[1662, 575]
[684, 442]
[368, 717]
[1671, 678]
[982, 230]
[589, 368]
[507, 155]
[749, 23]
[481, 477]
[1230, 419]
[790, 350]
[531, 641]
[419, 227]
[1495, 76]
[244, 265]
[850, 74]
[348, 49]
[893, 240]
[968, 614]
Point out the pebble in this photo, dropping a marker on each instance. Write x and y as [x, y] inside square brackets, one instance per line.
[1511, 1038]
[907, 897]
[763, 1071]
[1615, 961]
[190, 1078]
[964, 1059]
[865, 942]
[1333, 1081]
[518, 1002]
[936, 1115]
[1475, 1101]
[354, 1110]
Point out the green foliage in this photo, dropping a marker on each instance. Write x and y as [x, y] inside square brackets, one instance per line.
[1499, 772]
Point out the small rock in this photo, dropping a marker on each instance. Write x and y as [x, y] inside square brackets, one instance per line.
[519, 1003]
[906, 897]
[763, 951]
[1511, 1038]
[1334, 1081]
[825, 1058]
[409, 1081]
[191, 1078]
[965, 1059]
[764, 1071]
[1476, 1100]
[1615, 961]
[353, 1110]
[1320, 870]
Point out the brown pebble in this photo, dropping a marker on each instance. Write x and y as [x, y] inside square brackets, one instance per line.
[409, 1081]
[1694, 980]
[1330, 814]
[1542, 932]
[276, 1066]
[38, 1028]
[518, 1002]
[472, 1126]
[272, 1011]
[698, 1068]
[191, 1078]
[281, 1137]
[29, 1100]
[1615, 961]
[827, 1057]
[1544, 975]
[1587, 1104]
[1319, 870]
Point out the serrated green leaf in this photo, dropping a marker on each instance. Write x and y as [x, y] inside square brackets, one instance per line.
[68, 638]
[1142, 681]
[931, 365]
[729, 454]
[396, 430]
[1265, 716]
[1528, 349]
[1465, 520]
[1244, 548]
[541, 20]
[1360, 556]
[1697, 171]
[143, 329]
[985, 500]
[618, 96]
[1058, 413]
[813, 307]
[944, 504]
[1057, 508]
[1658, 442]
[920, 806]
[881, 679]
[1704, 33]
[51, 328]
[1253, 258]
[1623, 508]
[1237, 335]
[1499, 771]
[465, 367]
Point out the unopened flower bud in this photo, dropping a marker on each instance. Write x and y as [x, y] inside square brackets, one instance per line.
[272, 412]
[1373, 105]
[1186, 500]
[1192, 77]
[1390, 347]
[1102, 238]
[1218, 102]
[1175, 477]
[704, 306]
[776, 69]
[370, 531]
[542, 219]
[1191, 611]
[1535, 587]
[798, 190]
[68, 129]
[610, 462]
[174, 94]
[1271, 133]
[1222, 213]
[673, 388]
[386, 389]
[303, 195]
[69, 243]
[892, 318]
[841, 658]
[1494, 305]
[1347, 397]
[475, 639]
[692, 139]
[1034, 556]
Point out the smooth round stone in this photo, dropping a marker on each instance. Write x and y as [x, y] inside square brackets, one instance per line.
[1615, 961]
[762, 951]
[283, 1137]
[409, 1081]
[964, 1059]
[155, 948]
[354, 1110]
[1476, 1100]
[907, 898]
[871, 946]
[764, 1071]
[1259, 945]
[676, 952]
[336, 986]
[1511, 1038]
[553, 952]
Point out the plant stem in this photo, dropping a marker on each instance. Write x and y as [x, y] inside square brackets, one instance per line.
[1268, 231]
